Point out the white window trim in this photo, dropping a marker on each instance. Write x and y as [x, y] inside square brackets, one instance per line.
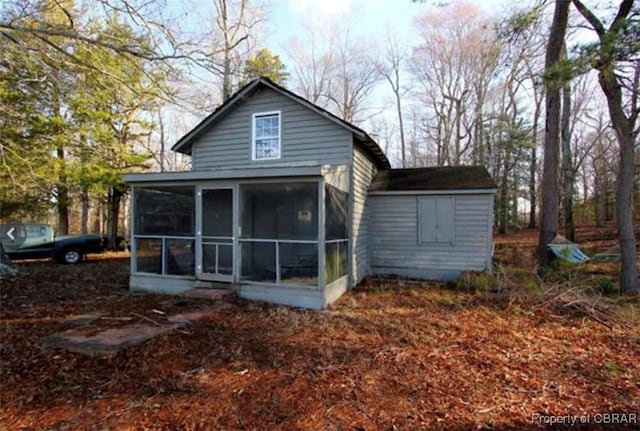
[253, 135]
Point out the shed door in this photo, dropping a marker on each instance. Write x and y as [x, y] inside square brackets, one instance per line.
[436, 219]
[216, 252]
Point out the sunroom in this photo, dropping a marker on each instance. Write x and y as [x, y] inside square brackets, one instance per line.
[277, 239]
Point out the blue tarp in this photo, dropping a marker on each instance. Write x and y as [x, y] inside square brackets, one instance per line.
[567, 250]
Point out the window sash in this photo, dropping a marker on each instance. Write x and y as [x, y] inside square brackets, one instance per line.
[266, 142]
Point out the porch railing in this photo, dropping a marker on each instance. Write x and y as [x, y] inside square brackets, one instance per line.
[164, 254]
[217, 242]
[299, 268]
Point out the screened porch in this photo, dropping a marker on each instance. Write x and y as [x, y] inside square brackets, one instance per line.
[271, 233]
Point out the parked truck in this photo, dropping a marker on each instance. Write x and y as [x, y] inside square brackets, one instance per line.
[38, 241]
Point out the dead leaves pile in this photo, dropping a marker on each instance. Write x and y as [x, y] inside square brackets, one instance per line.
[384, 357]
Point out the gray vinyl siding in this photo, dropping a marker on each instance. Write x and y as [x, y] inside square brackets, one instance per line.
[306, 137]
[363, 172]
[394, 245]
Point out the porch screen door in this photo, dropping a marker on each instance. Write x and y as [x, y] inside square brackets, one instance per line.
[217, 235]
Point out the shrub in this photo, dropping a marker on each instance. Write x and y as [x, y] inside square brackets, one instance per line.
[605, 286]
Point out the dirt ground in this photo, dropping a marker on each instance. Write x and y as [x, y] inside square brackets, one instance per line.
[392, 355]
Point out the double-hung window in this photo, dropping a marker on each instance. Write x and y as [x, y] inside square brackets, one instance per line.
[266, 136]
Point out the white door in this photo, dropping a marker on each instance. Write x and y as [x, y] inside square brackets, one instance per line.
[216, 240]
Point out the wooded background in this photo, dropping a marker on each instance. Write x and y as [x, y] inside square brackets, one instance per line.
[91, 90]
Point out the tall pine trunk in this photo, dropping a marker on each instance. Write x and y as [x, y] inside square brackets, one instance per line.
[62, 187]
[504, 197]
[533, 167]
[624, 208]
[549, 215]
[627, 136]
[62, 192]
[625, 127]
[568, 180]
[113, 215]
[84, 222]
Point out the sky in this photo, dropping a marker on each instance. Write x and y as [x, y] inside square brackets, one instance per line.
[372, 19]
[369, 17]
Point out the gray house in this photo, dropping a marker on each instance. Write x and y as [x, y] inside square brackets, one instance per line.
[287, 203]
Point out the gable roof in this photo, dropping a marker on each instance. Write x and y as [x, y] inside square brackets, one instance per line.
[436, 178]
[184, 144]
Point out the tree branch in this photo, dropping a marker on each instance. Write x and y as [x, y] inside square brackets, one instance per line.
[591, 18]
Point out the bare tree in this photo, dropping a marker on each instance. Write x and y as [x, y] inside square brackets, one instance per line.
[335, 70]
[391, 69]
[578, 139]
[454, 64]
[157, 38]
[355, 76]
[593, 145]
[236, 25]
[313, 64]
[384, 132]
[525, 34]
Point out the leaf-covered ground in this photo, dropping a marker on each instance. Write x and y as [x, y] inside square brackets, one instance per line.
[391, 355]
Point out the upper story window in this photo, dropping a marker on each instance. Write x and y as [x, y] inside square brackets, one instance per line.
[266, 136]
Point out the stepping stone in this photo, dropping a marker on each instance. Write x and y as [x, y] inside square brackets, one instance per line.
[82, 319]
[108, 342]
[212, 294]
[189, 316]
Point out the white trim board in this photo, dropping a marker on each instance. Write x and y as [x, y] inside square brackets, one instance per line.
[434, 192]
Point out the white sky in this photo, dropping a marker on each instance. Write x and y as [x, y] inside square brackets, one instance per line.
[369, 17]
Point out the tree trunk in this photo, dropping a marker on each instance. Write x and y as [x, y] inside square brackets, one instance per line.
[62, 193]
[403, 149]
[113, 215]
[599, 196]
[624, 208]
[568, 179]
[84, 222]
[62, 188]
[125, 209]
[549, 216]
[624, 188]
[97, 217]
[226, 62]
[533, 167]
[504, 200]
[514, 202]
[625, 128]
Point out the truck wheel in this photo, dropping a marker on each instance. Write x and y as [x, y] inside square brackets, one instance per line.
[70, 256]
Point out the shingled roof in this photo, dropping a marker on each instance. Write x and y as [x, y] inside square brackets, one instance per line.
[436, 178]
